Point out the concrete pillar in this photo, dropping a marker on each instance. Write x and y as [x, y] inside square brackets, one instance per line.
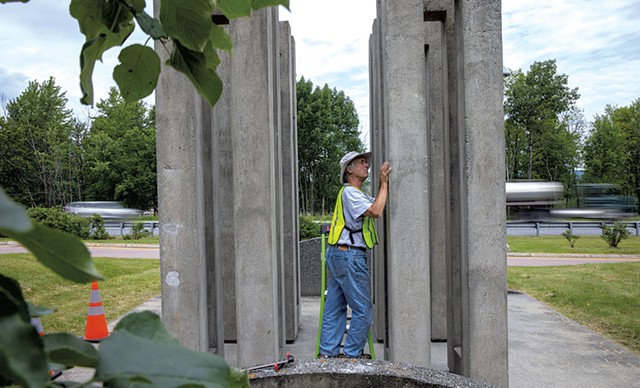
[438, 129]
[481, 200]
[407, 217]
[289, 173]
[376, 122]
[188, 271]
[254, 111]
[224, 228]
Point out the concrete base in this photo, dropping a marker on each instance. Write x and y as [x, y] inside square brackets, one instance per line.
[357, 373]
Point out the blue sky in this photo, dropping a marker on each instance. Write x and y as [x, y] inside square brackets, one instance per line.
[597, 46]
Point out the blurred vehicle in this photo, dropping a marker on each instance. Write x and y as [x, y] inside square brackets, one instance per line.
[533, 200]
[602, 200]
[109, 210]
[537, 201]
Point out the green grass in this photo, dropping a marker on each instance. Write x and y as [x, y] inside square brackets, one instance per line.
[584, 245]
[602, 297]
[120, 240]
[128, 283]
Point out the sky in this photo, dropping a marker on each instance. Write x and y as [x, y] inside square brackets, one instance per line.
[597, 46]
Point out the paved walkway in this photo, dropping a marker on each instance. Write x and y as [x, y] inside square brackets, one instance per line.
[546, 349]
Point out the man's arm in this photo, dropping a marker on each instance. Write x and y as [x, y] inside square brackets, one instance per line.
[377, 208]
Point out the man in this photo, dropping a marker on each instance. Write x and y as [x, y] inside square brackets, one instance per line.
[352, 232]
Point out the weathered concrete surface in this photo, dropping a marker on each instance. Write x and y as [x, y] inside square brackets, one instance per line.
[357, 374]
[403, 127]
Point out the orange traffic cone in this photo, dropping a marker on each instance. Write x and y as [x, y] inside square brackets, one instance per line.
[37, 323]
[96, 329]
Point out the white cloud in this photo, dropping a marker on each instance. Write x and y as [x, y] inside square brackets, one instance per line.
[596, 44]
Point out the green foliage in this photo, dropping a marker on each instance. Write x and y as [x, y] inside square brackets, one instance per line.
[56, 218]
[572, 238]
[137, 232]
[39, 160]
[614, 234]
[187, 25]
[96, 228]
[542, 134]
[120, 154]
[327, 129]
[612, 149]
[308, 229]
[138, 351]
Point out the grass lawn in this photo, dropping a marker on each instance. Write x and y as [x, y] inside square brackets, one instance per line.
[128, 283]
[584, 245]
[120, 240]
[602, 297]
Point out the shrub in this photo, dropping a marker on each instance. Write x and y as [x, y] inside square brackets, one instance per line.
[96, 228]
[614, 234]
[570, 237]
[56, 218]
[137, 232]
[308, 229]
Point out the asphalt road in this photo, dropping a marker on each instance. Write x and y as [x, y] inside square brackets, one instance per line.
[513, 259]
[125, 252]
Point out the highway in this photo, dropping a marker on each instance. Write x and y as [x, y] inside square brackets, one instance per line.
[513, 259]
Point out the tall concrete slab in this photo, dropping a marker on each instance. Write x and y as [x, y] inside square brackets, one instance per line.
[254, 111]
[482, 211]
[185, 197]
[438, 129]
[223, 225]
[376, 122]
[289, 173]
[407, 217]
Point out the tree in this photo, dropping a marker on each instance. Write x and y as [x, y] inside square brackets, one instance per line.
[120, 154]
[605, 151]
[540, 145]
[327, 129]
[39, 158]
[612, 149]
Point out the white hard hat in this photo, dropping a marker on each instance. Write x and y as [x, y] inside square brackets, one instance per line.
[344, 162]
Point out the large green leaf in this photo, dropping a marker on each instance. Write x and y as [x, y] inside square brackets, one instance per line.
[137, 5]
[220, 38]
[233, 9]
[63, 253]
[115, 16]
[22, 357]
[188, 21]
[150, 26]
[257, 4]
[145, 325]
[140, 350]
[138, 72]
[12, 300]
[196, 67]
[67, 349]
[92, 51]
[13, 216]
[88, 13]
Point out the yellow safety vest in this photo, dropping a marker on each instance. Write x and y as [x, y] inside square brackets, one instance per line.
[337, 225]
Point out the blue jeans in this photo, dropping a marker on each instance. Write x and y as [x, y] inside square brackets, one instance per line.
[348, 284]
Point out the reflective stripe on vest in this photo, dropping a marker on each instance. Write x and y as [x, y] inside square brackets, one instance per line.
[338, 224]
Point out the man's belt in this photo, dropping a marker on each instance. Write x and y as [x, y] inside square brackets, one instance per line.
[347, 247]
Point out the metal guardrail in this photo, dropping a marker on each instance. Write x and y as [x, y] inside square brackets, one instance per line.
[573, 226]
[121, 228]
[124, 227]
